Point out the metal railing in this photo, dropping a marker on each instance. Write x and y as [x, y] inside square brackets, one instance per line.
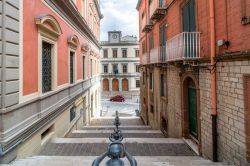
[184, 46]
[116, 149]
[154, 55]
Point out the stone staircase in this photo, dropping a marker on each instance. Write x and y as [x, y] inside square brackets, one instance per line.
[149, 147]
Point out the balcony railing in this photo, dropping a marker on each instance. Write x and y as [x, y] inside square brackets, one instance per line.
[145, 59]
[157, 9]
[184, 46]
[154, 55]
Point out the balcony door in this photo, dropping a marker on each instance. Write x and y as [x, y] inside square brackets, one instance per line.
[189, 26]
[188, 15]
[163, 43]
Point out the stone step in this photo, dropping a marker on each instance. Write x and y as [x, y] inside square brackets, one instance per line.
[107, 135]
[141, 161]
[136, 149]
[111, 131]
[123, 121]
[112, 127]
[125, 140]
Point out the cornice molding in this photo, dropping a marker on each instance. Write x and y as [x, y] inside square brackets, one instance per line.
[98, 9]
[68, 11]
[138, 4]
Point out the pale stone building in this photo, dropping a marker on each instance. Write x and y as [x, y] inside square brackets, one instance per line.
[120, 65]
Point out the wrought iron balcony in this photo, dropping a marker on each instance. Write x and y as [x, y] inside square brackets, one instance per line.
[157, 9]
[184, 46]
[146, 25]
[154, 55]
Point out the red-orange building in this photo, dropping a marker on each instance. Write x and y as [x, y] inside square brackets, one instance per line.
[49, 71]
[196, 72]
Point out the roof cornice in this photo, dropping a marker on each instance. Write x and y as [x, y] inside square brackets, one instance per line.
[97, 5]
[138, 4]
[68, 10]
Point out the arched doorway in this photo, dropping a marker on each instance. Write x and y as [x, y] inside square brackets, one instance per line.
[115, 85]
[191, 108]
[105, 84]
[125, 84]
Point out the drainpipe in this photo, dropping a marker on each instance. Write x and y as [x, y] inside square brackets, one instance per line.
[213, 80]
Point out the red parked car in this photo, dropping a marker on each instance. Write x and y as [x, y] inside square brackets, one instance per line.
[118, 98]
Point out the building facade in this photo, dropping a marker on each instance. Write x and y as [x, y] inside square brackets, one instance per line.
[195, 62]
[120, 66]
[49, 71]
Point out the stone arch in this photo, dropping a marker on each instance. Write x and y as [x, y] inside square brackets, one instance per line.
[105, 84]
[125, 84]
[115, 85]
[190, 82]
[49, 26]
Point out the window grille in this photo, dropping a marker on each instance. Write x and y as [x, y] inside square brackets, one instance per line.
[46, 67]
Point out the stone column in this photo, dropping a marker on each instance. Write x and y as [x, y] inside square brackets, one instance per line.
[120, 84]
[110, 84]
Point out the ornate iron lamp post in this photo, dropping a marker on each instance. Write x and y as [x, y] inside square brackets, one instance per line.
[116, 149]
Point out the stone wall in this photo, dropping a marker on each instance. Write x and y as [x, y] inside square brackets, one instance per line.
[230, 107]
[174, 102]
[9, 52]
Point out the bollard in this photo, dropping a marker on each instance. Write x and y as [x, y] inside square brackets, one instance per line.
[116, 149]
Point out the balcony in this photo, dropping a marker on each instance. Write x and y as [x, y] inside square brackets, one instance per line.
[157, 9]
[145, 59]
[146, 25]
[154, 55]
[184, 46]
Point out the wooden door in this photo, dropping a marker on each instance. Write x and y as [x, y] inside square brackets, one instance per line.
[105, 85]
[192, 112]
[115, 85]
[124, 85]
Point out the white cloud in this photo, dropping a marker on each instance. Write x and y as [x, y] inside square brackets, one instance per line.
[119, 15]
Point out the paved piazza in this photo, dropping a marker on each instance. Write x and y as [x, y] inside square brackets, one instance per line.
[125, 109]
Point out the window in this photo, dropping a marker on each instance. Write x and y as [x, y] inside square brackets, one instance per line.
[162, 89]
[72, 113]
[137, 68]
[137, 83]
[83, 67]
[152, 109]
[91, 67]
[84, 8]
[151, 41]
[124, 53]
[90, 20]
[72, 67]
[143, 47]
[115, 69]
[137, 53]
[46, 67]
[151, 81]
[125, 68]
[142, 15]
[105, 53]
[105, 68]
[114, 53]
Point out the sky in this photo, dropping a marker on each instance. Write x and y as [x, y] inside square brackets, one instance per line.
[119, 15]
